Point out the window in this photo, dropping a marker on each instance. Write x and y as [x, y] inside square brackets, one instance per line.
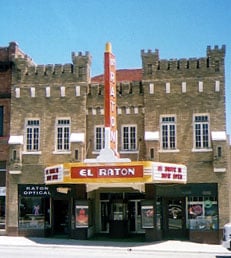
[1, 120]
[202, 213]
[168, 89]
[168, 131]
[34, 207]
[82, 72]
[129, 138]
[217, 66]
[151, 153]
[151, 88]
[201, 131]
[219, 152]
[99, 137]
[149, 69]
[63, 135]
[32, 135]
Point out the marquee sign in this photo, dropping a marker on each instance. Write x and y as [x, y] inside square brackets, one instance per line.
[167, 172]
[129, 172]
[54, 174]
[107, 172]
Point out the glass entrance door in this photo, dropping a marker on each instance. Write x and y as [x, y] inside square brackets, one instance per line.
[174, 224]
[134, 216]
[60, 218]
[104, 215]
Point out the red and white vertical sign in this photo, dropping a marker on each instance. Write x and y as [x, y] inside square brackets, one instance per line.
[110, 99]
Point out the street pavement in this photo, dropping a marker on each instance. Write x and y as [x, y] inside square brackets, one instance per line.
[165, 246]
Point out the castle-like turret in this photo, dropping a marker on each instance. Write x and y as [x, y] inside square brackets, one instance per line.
[154, 67]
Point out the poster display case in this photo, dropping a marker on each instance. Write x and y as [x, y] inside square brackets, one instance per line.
[147, 213]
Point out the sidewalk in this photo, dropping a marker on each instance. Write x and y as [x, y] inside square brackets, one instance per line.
[172, 245]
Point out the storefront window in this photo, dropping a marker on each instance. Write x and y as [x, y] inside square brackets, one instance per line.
[158, 213]
[2, 212]
[31, 213]
[34, 207]
[202, 213]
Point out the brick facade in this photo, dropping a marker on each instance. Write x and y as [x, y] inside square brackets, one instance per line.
[180, 88]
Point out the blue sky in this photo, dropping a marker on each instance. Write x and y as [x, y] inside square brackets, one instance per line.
[49, 30]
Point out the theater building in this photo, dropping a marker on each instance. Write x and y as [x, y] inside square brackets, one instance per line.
[134, 152]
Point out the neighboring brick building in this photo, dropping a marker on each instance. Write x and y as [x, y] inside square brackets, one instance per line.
[171, 111]
[6, 66]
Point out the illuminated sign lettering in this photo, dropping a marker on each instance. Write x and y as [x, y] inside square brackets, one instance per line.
[110, 100]
[107, 172]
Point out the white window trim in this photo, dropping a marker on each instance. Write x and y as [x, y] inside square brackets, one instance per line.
[48, 92]
[17, 93]
[129, 152]
[151, 88]
[161, 143]
[194, 149]
[102, 140]
[56, 151]
[169, 150]
[202, 150]
[217, 86]
[25, 151]
[62, 91]
[32, 92]
[184, 87]
[168, 87]
[77, 91]
[122, 139]
[31, 152]
[200, 86]
[61, 152]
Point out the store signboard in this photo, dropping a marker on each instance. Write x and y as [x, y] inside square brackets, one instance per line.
[168, 172]
[37, 190]
[122, 171]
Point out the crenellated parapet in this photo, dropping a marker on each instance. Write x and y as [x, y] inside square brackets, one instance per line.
[154, 67]
[123, 89]
[27, 71]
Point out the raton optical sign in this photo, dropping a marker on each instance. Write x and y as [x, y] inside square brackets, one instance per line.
[107, 172]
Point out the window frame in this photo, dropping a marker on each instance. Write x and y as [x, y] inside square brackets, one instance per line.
[32, 137]
[130, 141]
[65, 140]
[204, 143]
[170, 126]
[101, 139]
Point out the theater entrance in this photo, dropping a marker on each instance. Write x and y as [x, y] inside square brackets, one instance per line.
[60, 217]
[174, 218]
[120, 214]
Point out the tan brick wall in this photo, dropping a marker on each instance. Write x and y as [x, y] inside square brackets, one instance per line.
[137, 106]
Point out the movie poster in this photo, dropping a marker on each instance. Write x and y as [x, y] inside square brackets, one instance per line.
[81, 215]
[147, 216]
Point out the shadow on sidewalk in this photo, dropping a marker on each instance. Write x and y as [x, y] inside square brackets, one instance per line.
[101, 240]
